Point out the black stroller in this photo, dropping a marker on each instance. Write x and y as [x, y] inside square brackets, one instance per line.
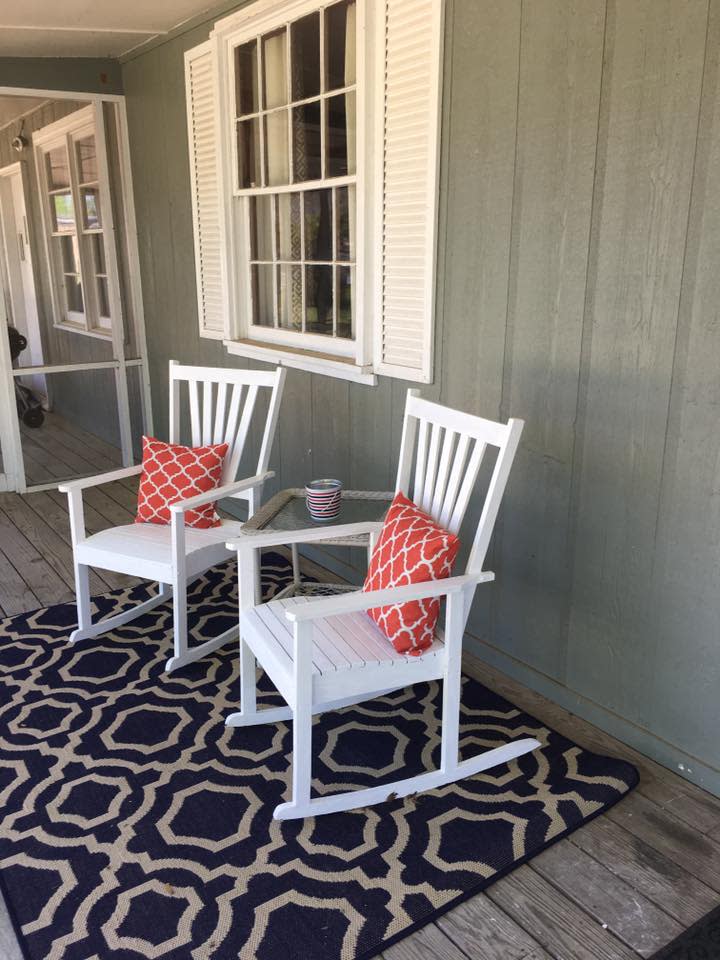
[29, 407]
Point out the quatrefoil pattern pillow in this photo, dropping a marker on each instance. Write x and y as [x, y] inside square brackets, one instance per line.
[412, 548]
[172, 472]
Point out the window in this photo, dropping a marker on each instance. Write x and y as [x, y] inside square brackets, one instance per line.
[315, 227]
[295, 170]
[69, 180]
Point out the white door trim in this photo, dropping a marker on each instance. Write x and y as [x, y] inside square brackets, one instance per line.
[14, 477]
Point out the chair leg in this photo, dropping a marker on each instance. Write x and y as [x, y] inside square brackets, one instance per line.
[82, 597]
[302, 755]
[180, 648]
[295, 564]
[248, 692]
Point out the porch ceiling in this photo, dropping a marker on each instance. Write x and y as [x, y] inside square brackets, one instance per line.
[83, 28]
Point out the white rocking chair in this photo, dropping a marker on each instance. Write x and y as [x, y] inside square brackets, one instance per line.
[326, 653]
[175, 555]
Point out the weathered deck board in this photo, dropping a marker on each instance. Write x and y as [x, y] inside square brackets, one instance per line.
[631, 916]
[564, 929]
[485, 932]
[660, 879]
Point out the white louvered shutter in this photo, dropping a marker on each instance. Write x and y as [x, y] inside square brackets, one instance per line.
[411, 134]
[205, 185]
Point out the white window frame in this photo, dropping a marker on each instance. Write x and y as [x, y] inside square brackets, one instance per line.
[350, 359]
[65, 133]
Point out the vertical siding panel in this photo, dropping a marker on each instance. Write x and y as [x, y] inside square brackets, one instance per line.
[481, 129]
[686, 619]
[371, 454]
[558, 104]
[479, 126]
[650, 113]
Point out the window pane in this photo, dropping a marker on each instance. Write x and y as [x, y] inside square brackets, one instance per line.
[91, 207]
[98, 250]
[288, 210]
[260, 228]
[87, 159]
[340, 45]
[305, 59]
[344, 292]
[290, 293]
[319, 300]
[63, 213]
[276, 148]
[246, 93]
[318, 225]
[73, 294]
[306, 142]
[58, 170]
[248, 153]
[69, 255]
[340, 138]
[262, 294]
[345, 216]
[275, 69]
[103, 299]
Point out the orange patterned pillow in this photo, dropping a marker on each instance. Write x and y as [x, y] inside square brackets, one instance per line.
[412, 548]
[172, 472]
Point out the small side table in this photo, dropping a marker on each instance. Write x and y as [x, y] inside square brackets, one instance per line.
[287, 511]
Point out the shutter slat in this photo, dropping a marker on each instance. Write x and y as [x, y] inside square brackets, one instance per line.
[413, 32]
[205, 187]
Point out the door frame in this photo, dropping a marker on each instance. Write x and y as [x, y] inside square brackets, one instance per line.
[12, 170]
[13, 463]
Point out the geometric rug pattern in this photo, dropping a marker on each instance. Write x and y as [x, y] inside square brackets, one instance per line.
[134, 824]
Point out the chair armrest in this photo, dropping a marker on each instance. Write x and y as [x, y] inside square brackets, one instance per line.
[70, 485]
[364, 600]
[226, 490]
[278, 538]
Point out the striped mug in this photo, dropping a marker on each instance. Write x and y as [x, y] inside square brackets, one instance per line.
[323, 499]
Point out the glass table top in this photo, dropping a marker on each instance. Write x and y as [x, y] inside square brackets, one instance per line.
[293, 514]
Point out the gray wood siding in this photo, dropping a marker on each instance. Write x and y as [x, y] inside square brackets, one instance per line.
[578, 288]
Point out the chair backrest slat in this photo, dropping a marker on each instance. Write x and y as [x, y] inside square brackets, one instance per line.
[194, 413]
[421, 461]
[233, 413]
[441, 454]
[207, 412]
[466, 488]
[443, 472]
[232, 460]
[431, 467]
[219, 428]
[222, 415]
[456, 475]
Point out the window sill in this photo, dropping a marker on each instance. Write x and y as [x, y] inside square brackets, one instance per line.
[84, 331]
[307, 360]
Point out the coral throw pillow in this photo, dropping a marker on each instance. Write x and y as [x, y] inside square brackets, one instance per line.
[411, 548]
[172, 472]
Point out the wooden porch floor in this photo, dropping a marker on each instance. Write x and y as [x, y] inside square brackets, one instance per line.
[617, 889]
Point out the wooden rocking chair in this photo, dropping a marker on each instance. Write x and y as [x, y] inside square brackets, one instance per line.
[326, 653]
[175, 555]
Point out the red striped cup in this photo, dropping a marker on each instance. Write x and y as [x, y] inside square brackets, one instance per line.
[323, 499]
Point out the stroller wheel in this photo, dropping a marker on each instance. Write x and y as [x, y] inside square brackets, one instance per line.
[34, 417]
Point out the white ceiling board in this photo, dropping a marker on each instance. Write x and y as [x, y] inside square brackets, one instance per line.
[13, 107]
[18, 42]
[130, 16]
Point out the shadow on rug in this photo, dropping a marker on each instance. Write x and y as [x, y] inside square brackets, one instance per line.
[136, 825]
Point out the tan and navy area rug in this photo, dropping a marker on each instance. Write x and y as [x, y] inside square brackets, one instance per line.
[134, 824]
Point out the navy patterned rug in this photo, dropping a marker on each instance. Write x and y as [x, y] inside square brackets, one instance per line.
[136, 825]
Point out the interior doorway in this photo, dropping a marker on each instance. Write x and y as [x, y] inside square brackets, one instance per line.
[73, 370]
